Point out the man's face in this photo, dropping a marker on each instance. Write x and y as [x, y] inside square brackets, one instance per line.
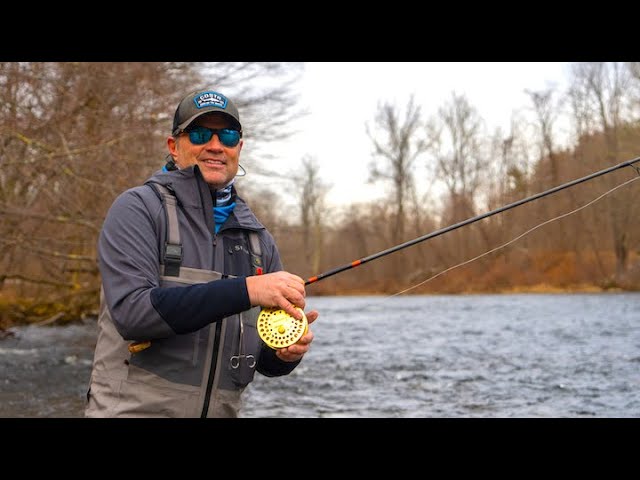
[217, 162]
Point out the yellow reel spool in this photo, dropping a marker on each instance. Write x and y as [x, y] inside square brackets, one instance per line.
[278, 329]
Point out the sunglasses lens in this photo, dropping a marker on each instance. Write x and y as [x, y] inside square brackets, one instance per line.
[201, 135]
[229, 138]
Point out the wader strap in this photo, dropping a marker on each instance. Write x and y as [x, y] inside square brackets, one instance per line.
[172, 246]
[256, 252]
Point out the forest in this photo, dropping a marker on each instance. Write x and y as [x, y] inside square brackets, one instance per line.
[73, 135]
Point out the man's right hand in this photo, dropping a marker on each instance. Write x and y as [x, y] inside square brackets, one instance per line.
[278, 289]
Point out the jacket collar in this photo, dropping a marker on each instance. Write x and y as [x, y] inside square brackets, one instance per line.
[192, 191]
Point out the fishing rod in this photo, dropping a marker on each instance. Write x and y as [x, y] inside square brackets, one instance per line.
[278, 329]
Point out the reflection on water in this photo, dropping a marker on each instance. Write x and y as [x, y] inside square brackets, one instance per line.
[407, 356]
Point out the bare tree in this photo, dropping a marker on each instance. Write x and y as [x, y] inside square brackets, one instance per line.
[601, 99]
[313, 209]
[397, 145]
[512, 171]
[456, 145]
[546, 110]
[547, 106]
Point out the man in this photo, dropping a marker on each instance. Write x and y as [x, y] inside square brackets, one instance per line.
[182, 283]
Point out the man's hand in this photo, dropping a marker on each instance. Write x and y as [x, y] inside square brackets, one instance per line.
[278, 289]
[295, 352]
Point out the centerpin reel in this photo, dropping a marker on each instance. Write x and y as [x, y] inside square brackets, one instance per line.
[278, 329]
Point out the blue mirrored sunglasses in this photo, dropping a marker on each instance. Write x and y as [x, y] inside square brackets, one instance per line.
[201, 135]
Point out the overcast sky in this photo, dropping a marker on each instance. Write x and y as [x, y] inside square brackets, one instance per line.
[342, 97]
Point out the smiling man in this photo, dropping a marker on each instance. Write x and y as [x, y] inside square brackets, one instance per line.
[186, 267]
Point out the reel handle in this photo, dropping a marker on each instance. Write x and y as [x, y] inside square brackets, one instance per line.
[278, 329]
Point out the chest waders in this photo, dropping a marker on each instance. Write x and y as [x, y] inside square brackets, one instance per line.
[233, 346]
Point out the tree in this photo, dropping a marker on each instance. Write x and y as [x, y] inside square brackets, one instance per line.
[313, 209]
[601, 103]
[395, 154]
[456, 145]
[397, 144]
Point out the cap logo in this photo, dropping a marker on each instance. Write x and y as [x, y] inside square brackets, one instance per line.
[210, 99]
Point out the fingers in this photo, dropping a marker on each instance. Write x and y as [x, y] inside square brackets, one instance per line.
[278, 289]
[292, 310]
[295, 352]
[312, 316]
[284, 355]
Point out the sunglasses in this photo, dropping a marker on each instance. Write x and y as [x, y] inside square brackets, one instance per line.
[201, 135]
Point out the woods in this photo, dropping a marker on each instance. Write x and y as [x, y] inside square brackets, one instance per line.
[75, 135]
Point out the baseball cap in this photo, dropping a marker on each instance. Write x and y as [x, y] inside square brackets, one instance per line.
[199, 103]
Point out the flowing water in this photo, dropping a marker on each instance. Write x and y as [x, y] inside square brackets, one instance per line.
[529, 355]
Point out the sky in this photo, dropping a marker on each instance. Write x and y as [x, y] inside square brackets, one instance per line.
[342, 97]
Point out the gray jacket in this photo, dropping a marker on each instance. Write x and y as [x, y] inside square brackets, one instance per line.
[204, 344]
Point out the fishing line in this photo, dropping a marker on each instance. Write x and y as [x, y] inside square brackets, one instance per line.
[378, 303]
[514, 239]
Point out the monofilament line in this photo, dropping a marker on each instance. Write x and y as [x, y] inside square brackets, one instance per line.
[466, 262]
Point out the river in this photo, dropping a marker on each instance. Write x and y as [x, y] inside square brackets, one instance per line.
[441, 356]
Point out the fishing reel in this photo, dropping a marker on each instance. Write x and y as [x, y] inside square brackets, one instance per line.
[278, 329]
